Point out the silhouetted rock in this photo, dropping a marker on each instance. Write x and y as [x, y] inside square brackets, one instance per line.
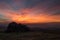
[23, 28]
[11, 27]
[14, 27]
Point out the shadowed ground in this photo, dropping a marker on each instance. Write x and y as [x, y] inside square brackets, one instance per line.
[30, 36]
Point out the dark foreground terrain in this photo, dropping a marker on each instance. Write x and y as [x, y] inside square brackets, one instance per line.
[30, 36]
[34, 33]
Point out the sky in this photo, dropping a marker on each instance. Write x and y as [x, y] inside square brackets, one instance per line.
[30, 11]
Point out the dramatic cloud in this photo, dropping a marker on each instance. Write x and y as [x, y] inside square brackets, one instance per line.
[30, 11]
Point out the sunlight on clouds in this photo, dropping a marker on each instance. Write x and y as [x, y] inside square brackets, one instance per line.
[27, 17]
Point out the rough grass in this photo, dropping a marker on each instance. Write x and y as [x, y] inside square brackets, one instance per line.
[29, 36]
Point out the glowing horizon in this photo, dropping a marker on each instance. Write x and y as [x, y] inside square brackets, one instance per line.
[30, 11]
[27, 17]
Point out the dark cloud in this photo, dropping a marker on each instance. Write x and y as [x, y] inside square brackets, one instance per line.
[27, 8]
[49, 6]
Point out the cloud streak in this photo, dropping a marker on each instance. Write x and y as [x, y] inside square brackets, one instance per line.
[30, 11]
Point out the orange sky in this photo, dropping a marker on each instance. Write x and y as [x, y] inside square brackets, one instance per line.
[30, 11]
[30, 16]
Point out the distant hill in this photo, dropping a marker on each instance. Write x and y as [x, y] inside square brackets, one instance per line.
[37, 26]
[49, 26]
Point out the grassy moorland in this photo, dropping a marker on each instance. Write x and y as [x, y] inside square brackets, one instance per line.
[30, 36]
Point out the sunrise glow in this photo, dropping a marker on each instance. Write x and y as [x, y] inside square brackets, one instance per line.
[23, 11]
